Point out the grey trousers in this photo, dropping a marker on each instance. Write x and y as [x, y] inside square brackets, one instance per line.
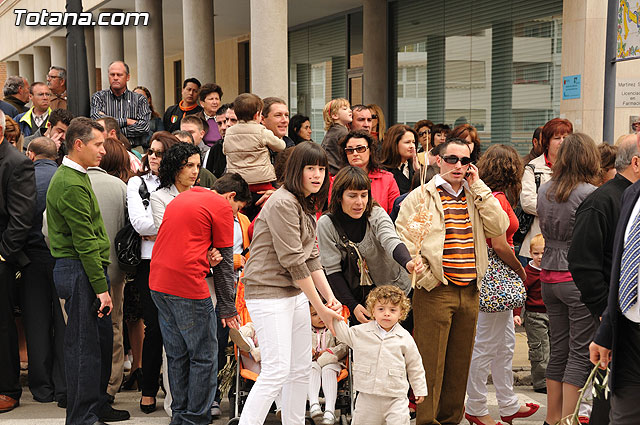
[572, 328]
[537, 327]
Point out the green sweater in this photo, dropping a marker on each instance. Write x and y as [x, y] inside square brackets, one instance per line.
[76, 229]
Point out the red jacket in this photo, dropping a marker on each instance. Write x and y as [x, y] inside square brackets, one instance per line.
[384, 189]
[533, 286]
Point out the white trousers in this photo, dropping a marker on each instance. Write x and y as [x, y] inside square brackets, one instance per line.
[493, 351]
[282, 327]
[380, 410]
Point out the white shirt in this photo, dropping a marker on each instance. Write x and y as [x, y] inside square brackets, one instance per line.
[72, 164]
[447, 186]
[405, 169]
[382, 332]
[633, 313]
[142, 218]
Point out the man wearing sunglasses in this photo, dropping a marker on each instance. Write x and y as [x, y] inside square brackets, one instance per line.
[445, 301]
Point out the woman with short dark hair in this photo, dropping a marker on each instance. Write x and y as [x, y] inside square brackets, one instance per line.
[355, 222]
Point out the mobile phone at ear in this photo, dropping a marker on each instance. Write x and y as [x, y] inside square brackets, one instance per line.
[467, 174]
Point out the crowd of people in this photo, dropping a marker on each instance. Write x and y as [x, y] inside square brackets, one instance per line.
[380, 239]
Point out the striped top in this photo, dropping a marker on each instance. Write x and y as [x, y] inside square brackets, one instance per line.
[127, 105]
[458, 256]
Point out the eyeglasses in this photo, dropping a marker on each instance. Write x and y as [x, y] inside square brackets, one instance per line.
[51, 77]
[158, 154]
[374, 117]
[359, 149]
[452, 159]
[424, 133]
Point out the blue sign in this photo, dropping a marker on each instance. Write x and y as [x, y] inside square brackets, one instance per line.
[571, 87]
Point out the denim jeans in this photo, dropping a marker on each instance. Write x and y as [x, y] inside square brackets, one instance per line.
[88, 343]
[189, 335]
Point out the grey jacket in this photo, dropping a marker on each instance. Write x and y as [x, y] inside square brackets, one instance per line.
[330, 143]
[111, 193]
[556, 223]
[376, 248]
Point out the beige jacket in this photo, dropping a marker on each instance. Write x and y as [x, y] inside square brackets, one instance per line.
[382, 366]
[488, 220]
[246, 146]
[529, 198]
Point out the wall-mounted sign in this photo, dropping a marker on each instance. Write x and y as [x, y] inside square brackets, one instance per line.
[628, 93]
[571, 87]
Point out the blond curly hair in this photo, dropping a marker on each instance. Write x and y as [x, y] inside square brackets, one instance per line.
[389, 294]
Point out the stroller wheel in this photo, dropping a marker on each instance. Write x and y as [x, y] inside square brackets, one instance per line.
[234, 421]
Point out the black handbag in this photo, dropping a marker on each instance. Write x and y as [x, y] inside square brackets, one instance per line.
[127, 241]
[525, 220]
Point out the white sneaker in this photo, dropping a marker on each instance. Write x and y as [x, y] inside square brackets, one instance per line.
[127, 364]
[328, 418]
[315, 411]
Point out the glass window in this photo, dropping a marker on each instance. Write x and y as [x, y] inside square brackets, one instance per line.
[317, 69]
[490, 64]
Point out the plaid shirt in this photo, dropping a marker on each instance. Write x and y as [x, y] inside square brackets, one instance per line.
[128, 105]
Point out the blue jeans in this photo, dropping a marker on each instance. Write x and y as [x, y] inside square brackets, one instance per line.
[189, 335]
[88, 343]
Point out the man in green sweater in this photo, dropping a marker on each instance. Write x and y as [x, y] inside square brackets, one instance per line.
[80, 245]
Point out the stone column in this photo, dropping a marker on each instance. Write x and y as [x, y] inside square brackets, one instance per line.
[13, 68]
[111, 47]
[59, 51]
[374, 52]
[584, 25]
[26, 67]
[150, 51]
[199, 40]
[90, 44]
[269, 67]
[501, 81]
[41, 62]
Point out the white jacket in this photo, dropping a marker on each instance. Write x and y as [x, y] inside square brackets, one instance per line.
[382, 366]
[529, 197]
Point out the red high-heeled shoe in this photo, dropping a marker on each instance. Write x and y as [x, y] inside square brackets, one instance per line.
[473, 420]
[533, 408]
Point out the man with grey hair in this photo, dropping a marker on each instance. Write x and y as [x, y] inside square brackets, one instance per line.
[57, 82]
[591, 250]
[17, 203]
[16, 92]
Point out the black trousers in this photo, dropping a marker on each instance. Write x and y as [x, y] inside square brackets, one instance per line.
[44, 328]
[152, 346]
[9, 355]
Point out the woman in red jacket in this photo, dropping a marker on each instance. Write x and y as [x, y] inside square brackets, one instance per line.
[360, 150]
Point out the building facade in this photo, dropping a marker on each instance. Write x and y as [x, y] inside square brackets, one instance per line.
[496, 64]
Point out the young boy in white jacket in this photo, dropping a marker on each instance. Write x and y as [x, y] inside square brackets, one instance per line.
[385, 360]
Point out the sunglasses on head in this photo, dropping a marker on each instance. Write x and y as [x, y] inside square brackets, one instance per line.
[452, 159]
[359, 149]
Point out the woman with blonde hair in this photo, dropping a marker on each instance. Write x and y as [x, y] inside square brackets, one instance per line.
[378, 124]
[576, 170]
[337, 116]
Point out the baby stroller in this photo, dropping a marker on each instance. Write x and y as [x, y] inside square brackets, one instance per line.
[245, 377]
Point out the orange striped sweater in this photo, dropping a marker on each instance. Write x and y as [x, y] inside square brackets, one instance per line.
[458, 256]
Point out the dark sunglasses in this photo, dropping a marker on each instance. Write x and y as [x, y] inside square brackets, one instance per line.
[452, 159]
[425, 132]
[359, 149]
[158, 154]
[374, 117]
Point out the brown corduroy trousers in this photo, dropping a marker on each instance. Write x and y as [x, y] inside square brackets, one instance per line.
[444, 330]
